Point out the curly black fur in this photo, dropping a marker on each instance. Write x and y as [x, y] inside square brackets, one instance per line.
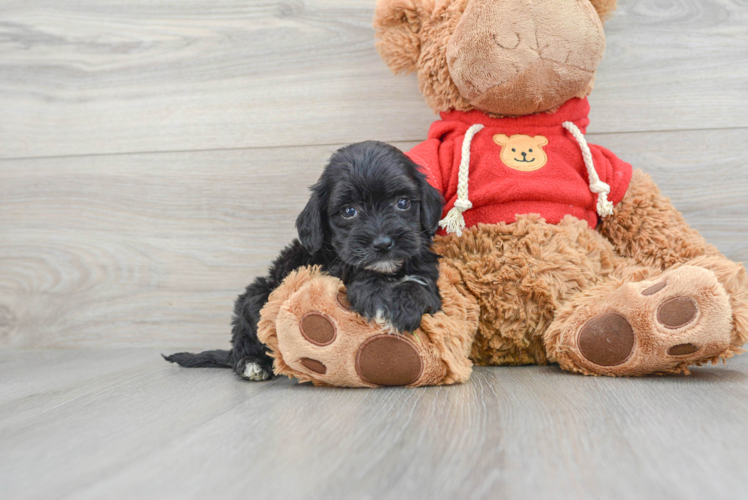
[370, 221]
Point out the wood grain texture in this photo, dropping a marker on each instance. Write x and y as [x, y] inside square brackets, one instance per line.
[91, 77]
[152, 249]
[124, 424]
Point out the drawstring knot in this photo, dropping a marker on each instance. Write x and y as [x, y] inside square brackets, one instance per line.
[601, 189]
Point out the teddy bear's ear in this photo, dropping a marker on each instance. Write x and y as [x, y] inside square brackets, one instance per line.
[540, 140]
[604, 8]
[501, 139]
[398, 25]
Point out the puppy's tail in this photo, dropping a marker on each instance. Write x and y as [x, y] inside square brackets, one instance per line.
[206, 359]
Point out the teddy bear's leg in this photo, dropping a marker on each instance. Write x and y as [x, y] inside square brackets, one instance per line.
[520, 274]
[643, 321]
[646, 227]
[314, 336]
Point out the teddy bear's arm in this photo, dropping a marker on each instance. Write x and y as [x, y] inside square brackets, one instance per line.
[646, 226]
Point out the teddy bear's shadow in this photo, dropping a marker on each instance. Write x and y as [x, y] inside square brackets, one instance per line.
[698, 375]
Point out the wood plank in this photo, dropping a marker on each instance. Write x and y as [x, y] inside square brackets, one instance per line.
[85, 76]
[152, 249]
[673, 66]
[152, 430]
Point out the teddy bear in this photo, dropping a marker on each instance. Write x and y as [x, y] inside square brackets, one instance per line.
[553, 250]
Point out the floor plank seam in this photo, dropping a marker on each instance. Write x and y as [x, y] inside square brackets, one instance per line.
[326, 145]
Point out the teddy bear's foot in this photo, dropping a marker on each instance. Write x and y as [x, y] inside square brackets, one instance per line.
[663, 325]
[323, 339]
[314, 336]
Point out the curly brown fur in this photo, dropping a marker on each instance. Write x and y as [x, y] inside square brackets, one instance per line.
[520, 274]
[530, 278]
[604, 8]
[370, 222]
[647, 227]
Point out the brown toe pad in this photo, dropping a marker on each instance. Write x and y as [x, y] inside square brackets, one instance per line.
[318, 329]
[388, 360]
[343, 301]
[682, 349]
[654, 289]
[314, 365]
[677, 312]
[607, 339]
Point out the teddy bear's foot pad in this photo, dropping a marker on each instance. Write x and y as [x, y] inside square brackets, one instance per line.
[607, 340]
[682, 318]
[388, 360]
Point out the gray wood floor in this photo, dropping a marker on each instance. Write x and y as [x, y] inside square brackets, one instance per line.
[122, 424]
[153, 157]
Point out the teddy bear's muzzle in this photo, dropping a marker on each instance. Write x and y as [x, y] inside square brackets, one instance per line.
[501, 51]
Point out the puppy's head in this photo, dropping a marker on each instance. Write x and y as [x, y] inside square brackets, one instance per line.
[372, 206]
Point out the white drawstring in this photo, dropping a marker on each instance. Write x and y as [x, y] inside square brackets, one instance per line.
[454, 222]
[604, 207]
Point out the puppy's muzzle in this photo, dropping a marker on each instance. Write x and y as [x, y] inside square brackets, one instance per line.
[383, 244]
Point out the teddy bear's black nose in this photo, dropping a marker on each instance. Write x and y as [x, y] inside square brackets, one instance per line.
[524, 155]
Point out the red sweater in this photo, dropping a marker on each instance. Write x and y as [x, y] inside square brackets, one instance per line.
[528, 164]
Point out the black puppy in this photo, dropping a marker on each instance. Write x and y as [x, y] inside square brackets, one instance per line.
[370, 222]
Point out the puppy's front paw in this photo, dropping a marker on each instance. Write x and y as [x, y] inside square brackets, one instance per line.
[372, 307]
[410, 304]
[253, 371]
[406, 320]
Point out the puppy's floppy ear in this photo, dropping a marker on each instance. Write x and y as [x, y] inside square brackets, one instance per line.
[398, 25]
[432, 204]
[310, 223]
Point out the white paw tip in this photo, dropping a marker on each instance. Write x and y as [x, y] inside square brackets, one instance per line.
[253, 371]
[383, 322]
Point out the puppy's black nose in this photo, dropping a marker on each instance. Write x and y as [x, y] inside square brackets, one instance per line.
[383, 243]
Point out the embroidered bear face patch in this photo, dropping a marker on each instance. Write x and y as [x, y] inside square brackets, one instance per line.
[522, 152]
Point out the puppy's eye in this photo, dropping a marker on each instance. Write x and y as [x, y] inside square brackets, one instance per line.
[348, 212]
[403, 204]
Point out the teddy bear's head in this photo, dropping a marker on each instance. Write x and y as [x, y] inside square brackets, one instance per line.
[503, 57]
